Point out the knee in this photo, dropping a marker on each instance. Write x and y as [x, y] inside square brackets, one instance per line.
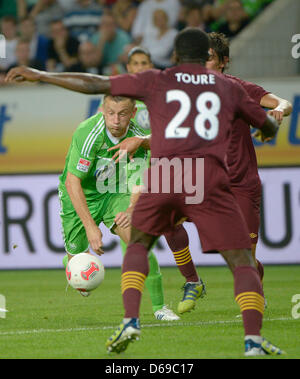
[237, 258]
[144, 239]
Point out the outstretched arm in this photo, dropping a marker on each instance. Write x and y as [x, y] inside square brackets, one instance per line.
[78, 82]
[279, 107]
[76, 194]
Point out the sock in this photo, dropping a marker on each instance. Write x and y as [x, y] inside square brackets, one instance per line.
[249, 295]
[134, 272]
[178, 241]
[256, 339]
[153, 282]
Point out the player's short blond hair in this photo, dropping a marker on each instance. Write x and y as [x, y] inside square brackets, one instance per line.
[118, 99]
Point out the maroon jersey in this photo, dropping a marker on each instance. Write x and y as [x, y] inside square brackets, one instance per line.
[192, 109]
[241, 156]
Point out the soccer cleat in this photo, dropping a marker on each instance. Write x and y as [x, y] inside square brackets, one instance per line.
[192, 292]
[264, 347]
[125, 334]
[166, 314]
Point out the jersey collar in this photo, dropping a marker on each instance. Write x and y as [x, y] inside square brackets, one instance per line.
[116, 140]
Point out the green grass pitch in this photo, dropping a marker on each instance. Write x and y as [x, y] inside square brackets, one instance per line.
[46, 321]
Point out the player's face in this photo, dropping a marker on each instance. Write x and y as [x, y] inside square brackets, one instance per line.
[139, 63]
[117, 115]
[213, 62]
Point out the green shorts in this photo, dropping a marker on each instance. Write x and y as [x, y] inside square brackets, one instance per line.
[103, 210]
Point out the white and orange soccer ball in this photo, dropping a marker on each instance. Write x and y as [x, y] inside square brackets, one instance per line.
[85, 272]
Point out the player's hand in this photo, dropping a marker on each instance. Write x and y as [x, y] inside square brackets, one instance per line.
[123, 219]
[94, 237]
[277, 113]
[22, 74]
[128, 146]
[260, 137]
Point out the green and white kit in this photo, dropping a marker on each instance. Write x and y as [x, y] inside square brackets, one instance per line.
[104, 183]
[106, 194]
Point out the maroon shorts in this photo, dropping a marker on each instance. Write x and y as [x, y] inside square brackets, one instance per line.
[218, 218]
[249, 202]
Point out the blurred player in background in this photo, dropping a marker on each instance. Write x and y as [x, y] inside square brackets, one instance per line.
[191, 117]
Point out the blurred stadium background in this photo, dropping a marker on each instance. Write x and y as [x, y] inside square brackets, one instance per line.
[37, 121]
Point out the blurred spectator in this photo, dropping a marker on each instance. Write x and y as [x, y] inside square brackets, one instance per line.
[235, 19]
[23, 56]
[83, 19]
[9, 31]
[88, 60]
[110, 41]
[8, 8]
[24, 7]
[67, 4]
[205, 5]
[143, 24]
[107, 3]
[251, 7]
[38, 43]
[194, 17]
[124, 12]
[160, 42]
[44, 12]
[63, 48]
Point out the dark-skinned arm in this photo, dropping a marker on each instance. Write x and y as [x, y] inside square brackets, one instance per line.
[269, 128]
[79, 82]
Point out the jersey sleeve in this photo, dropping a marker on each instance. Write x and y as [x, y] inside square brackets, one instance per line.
[246, 108]
[84, 147]
[138, 86]
[254, 91]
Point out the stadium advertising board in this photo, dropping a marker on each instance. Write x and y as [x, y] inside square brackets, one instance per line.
[37, 123]
[31, 232]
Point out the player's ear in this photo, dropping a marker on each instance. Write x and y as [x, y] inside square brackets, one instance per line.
[174, 57]
[226, 63]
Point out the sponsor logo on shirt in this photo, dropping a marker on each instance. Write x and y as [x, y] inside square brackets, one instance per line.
[83, 165]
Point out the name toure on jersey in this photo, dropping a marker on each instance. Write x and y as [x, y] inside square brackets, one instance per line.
[196, 79]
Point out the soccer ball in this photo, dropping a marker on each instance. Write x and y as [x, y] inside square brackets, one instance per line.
[85, 272]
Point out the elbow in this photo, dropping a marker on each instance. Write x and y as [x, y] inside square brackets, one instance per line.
[98, 85]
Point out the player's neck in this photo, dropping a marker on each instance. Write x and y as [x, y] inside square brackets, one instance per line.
[113, 139]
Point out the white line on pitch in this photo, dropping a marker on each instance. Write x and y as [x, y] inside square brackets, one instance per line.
[162, 324]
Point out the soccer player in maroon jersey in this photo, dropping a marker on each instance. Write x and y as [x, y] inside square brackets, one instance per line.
[241, 157]
[139, 60]
[191, 113]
